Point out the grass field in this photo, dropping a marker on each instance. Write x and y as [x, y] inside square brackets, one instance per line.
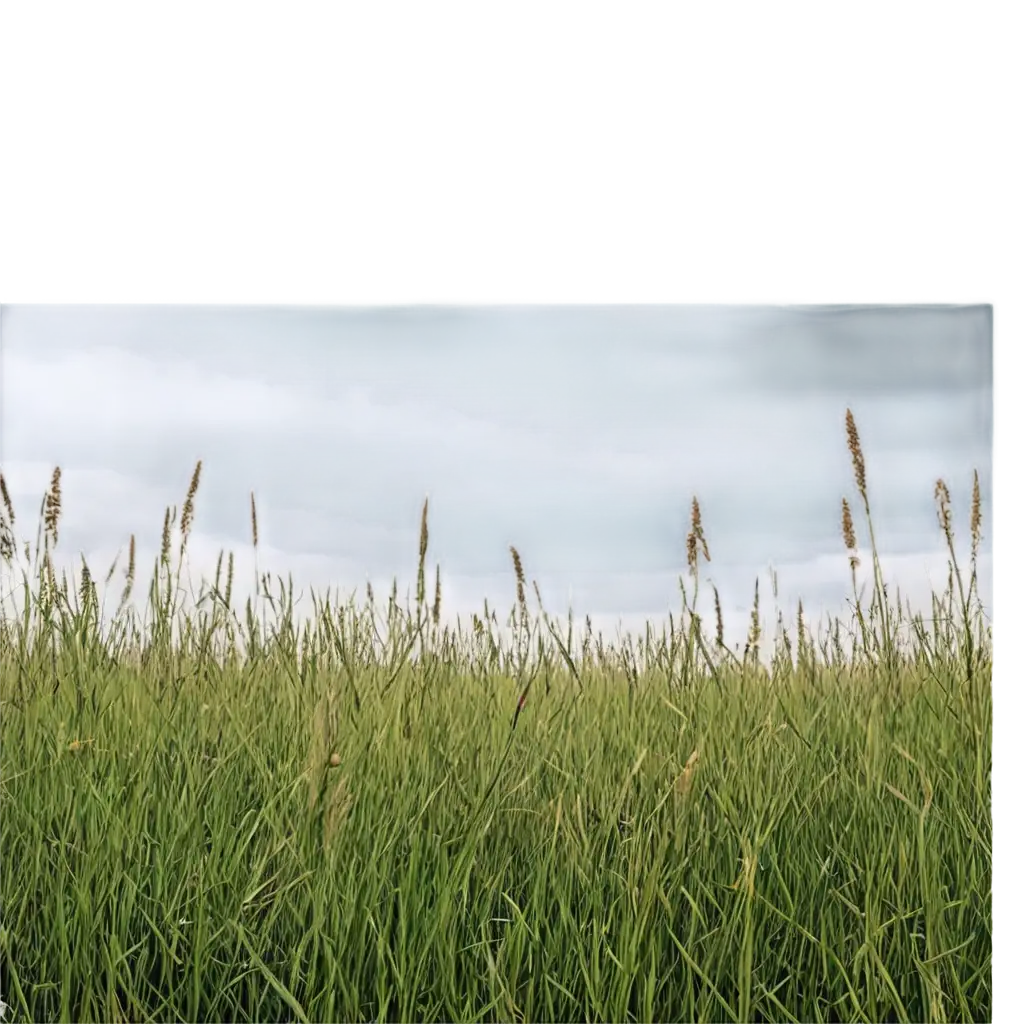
[210, 813]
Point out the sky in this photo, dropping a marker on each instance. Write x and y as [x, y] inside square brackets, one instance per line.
[577, 434]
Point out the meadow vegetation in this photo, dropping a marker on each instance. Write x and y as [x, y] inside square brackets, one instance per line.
[210, 812]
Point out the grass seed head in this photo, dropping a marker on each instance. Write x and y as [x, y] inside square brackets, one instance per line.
[520, 580]
[6, 541]
[691, 552]
[9, 506]
[849, 537]
[165, 539]
[52, 504]
[421, 587]
[6, 524]
[942, 509]
[129, 576]
[857, 455]
[698, 529]
[112, 569]
[231, 578]
[252, 519]
[188, 509]
[754, 634]
[424, 530]
[975, 516]
[436, 610]
[85, 586]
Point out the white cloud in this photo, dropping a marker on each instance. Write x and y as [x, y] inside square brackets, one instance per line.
[102, 382]
[117, 396]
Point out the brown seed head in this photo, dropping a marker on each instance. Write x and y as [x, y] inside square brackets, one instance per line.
[849, 537]
[698, 529]
[520, 580]
[252, 519]
[9, 507]
[424, 532]
[188, 509]
[754, 633]
[421, 588]
[129, 576]
[231, 578]
[857, 454]
[112, 569]
[436, 611]
[6, 541]
[6, 524]
[165, 538]
[691, 552]
[975, 516]
[85, 585]
[942, 508]
[51, 515]
[131, 556]
[719, 629]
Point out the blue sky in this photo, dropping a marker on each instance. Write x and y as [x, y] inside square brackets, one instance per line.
[578, 434]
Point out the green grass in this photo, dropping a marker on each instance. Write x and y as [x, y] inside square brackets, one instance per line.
[368, 816]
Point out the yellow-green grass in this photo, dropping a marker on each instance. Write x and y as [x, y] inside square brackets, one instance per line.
[211, 815]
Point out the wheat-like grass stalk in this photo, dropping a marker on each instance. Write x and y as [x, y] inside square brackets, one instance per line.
[255, 531]
[436, 610]
[942, 503]
[8, 504]
[85, 584]
[7, 544]
[52, 507]
[754, 634]
[691, 552]
[719, 626]
[129, 576]
[857, 454]
[253, 524]
[230, 580]
[698, 529]
[112, 569]
[188, 509]
[880, 598]
[849, 536]
[975, 518]
[165, 538]
[6, 541]
[421, 584]
[517, 564]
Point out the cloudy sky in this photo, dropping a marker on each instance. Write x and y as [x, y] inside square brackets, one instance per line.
[578, 434]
